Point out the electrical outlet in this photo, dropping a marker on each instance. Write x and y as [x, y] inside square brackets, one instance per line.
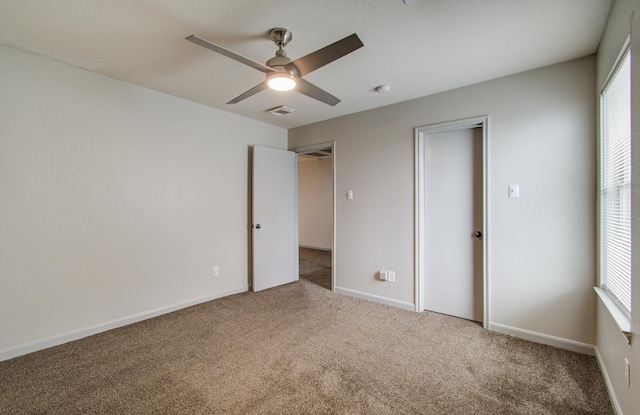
[627, 372]
[391, 276]
[216, 271]
[382, 275]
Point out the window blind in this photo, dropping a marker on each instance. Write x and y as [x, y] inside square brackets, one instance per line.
[615, 191]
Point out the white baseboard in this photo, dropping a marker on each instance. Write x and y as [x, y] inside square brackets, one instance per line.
[607, 381]
[376, 299]
[34, 346]
[317, 248]
[533, 336]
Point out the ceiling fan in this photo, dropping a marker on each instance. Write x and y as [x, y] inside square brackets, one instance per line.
[283, 74]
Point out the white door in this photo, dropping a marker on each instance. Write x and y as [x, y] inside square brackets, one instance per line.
[275, 217]
[453, 213]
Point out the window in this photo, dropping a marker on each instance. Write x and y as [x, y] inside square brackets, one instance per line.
[615, 185]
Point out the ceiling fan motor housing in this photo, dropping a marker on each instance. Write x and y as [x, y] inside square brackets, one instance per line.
[281, 64]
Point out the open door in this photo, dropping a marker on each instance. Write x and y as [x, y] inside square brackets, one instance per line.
[275, 217]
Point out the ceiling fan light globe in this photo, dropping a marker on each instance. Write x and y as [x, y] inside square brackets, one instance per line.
[281, 82]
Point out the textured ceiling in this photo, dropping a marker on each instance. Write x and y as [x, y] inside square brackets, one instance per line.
[418, 49]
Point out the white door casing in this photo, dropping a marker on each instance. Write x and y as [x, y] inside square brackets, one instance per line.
[275, 217]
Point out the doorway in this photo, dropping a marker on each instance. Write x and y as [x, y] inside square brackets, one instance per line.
[316, 214]
[451, 219]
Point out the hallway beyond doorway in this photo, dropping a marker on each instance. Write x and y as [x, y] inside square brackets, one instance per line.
[315, 266]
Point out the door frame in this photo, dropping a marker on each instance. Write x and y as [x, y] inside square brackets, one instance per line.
[420, 204]
[316, 147]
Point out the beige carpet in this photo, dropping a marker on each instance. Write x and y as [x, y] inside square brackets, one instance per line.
[300, 349]
[315, 266]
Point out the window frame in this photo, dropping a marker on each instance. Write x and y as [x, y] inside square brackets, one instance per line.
[620, 311]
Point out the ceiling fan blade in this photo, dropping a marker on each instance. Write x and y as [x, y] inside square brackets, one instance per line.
[310, 90]
[226, 52]
[327, 54]
[252, 91]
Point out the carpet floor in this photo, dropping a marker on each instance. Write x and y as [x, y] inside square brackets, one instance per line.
[301, 349]
[315, 266]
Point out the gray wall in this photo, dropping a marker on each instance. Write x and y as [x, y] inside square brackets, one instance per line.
[612, 349]
[542, 245]
[117, 202]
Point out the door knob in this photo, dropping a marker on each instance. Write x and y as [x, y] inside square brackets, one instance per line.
[478, 235]
[258, 226]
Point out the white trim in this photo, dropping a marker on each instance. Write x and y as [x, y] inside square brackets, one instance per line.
[549, 340]
[296, 232]
[626, 47]
[485, 221]
[335, 217]
[376, 298]
[607, 381]
[321, 146]
[619, 316]
[34, 346]
[420, 138]
[419, 220]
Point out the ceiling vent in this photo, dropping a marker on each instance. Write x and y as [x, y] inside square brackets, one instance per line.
[281, 110]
